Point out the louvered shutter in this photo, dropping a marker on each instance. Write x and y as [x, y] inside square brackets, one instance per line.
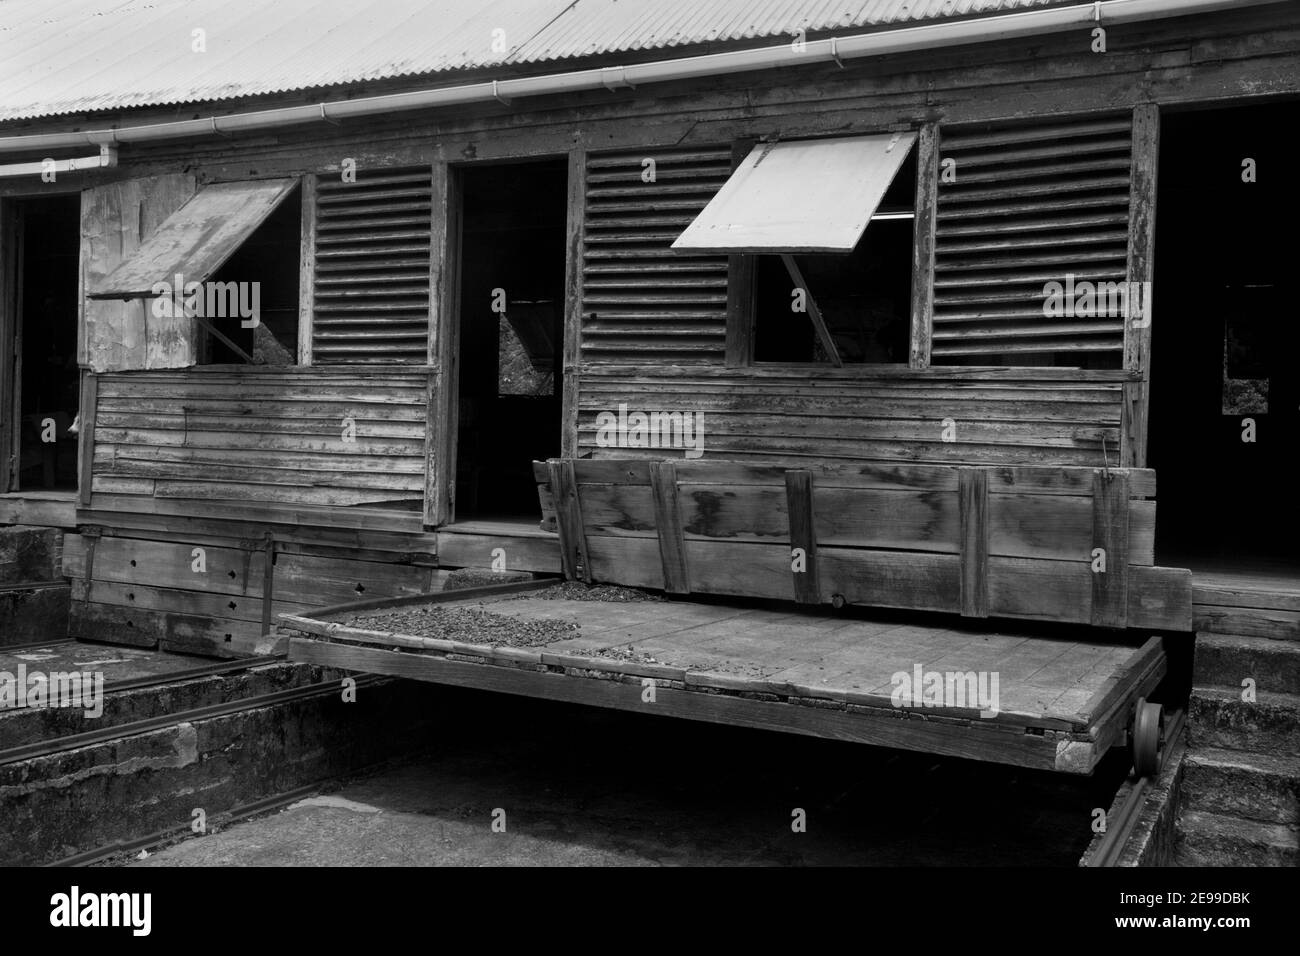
[642, 302]
[1030, 205]
[370, 281]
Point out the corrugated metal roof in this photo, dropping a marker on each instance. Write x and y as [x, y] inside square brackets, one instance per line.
[79, 56]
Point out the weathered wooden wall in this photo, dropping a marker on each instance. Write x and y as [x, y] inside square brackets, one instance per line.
[314, 437]
[1012, 416]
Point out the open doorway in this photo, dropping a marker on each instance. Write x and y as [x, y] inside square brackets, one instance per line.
[40, 344]
[512, 254]
[1225, 399]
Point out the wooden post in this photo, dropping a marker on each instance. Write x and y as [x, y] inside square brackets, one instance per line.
[307, 270]
[89, 405]
[444, 335]
[668, 520]
[803, 534]
[1141, 269]
[568, 520]
[1110, 515]
[973, 506]
[571, 356]
[927, 201]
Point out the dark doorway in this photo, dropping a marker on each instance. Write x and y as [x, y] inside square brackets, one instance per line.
[1225, 340]
[511, 334]
[43, 235]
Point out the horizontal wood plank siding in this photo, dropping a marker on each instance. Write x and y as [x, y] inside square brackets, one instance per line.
[370, 286]
[797, 417]
[269, 437]
[640, 300]
[1018, 207]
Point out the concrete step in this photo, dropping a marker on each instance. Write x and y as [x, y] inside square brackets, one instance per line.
[1212, 839]
[1218, 717]
[29, 554]
[211, 745]
[1260, 787]
[1228, 659]
[38, 613]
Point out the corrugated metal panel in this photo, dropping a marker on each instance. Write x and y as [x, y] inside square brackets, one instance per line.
[89, 55]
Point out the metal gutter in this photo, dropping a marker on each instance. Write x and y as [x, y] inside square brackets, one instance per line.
[834, 50]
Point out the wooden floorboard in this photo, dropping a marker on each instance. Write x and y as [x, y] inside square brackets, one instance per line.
[823, 661]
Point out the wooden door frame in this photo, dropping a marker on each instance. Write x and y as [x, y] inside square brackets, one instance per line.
[11, 271]
[443, 422]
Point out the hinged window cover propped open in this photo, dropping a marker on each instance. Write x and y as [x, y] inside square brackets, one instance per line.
[799, 196]
[195, 240]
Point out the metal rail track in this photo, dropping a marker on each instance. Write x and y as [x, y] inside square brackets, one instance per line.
[1121, 824]
[90, 738]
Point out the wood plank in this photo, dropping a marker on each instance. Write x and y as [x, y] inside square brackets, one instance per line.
[1110, 521]
[307, 269]
[568, 514]
[923, 235]
[803, 536]
[668, 522]
[974, 498]
[88, 406]
[1140, 268]
[196, 239]
[973, 741]
[814, 313]
[571, 356]
[444, 340]
[522, 553]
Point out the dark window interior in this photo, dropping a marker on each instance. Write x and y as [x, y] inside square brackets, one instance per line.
[1225, 340]
[512, 239]
[864, 296]
[49, 380]
[271, 257]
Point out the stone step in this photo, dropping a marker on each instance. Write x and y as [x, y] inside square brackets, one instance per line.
[1218, 717]
[1228, 659]
[1262, 787]
[1213, 839]
[30, 555]
[30, 614]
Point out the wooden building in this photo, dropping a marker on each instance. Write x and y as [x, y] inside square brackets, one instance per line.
[912, 247]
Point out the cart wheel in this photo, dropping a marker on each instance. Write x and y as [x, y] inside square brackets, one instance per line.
[1146, 737]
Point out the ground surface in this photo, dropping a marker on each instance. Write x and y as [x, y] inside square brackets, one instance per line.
[584, 786]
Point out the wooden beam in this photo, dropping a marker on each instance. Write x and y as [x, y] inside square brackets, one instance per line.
[1141, 269]
[1110, 533]
[668, 521]
[89, 402]
[568, 515]
[814, 313]
[973, 739]
[307, 269]
[803, 535]
[927, 201]
[444, 338]
[571, 355]
[973, 508]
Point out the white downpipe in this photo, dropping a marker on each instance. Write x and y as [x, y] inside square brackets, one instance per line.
[927, 37]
